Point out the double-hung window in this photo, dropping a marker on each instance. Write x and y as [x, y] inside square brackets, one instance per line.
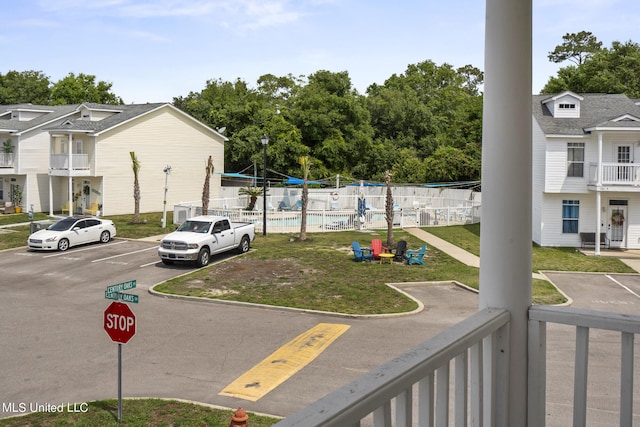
[570, 216]
[575, 159]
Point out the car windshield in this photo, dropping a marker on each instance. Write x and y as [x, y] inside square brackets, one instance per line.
[63, 224]
[195, 226]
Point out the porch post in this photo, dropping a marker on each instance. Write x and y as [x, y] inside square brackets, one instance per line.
[505, 238]
[598, 196]
[70, 171]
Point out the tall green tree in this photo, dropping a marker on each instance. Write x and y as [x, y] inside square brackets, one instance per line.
[24, 87]
[74, 89]
[576, 48]
[609, 70]
[333, 120]
[135, 166]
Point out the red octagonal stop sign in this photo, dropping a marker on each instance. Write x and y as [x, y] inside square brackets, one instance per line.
[119, 322]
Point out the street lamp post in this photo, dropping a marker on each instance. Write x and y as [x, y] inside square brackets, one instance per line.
[265, 141]
[167, 171]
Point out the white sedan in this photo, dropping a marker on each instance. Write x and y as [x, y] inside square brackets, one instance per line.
[72, 231]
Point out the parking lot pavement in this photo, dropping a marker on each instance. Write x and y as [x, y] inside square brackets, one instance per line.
[55, 349]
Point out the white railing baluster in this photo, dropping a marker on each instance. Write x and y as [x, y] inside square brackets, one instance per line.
[461, 380]
[626, 380]
[442, 396]
[476, 394]
[537, 377]
[382, 415]
[404, 408]
[425, 402]
[488, 380]
[580, 377]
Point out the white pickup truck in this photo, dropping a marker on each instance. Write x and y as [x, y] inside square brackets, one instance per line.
[202, 236]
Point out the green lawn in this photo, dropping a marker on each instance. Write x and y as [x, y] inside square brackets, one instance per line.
[135, 413]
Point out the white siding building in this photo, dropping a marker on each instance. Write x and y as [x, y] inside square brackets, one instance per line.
[586, 169]
[95, 172]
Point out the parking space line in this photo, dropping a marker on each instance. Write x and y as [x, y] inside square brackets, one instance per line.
[83, 249]
[284, 362]
[125, 254]
[621, 285]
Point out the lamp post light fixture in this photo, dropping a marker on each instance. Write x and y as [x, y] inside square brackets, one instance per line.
[167, 171]
[265, 141]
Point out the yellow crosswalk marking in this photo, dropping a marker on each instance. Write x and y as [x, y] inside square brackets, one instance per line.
[284, 362]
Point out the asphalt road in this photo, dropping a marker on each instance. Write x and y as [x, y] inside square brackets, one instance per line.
[55, 350]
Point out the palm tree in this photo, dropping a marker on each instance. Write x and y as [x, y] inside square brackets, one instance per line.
[135, 165]
[205, 189]
[253, 193]
[305, 164]
[389, 208]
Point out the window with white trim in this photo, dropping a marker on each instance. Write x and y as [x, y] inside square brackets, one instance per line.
[575, 159]
[570, 216]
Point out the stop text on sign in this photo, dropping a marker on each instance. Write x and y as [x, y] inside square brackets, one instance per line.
[120, 322]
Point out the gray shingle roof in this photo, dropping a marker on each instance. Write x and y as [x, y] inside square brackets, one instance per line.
[54, 112]
[125, 113]
[596, 109]
[61, 117]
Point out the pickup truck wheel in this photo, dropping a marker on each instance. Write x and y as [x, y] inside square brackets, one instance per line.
[244, 245]
[203, 258]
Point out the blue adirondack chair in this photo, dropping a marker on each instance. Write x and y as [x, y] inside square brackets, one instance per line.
[361, 254]
[414, 256]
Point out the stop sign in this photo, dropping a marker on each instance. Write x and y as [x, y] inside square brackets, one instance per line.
[119, 322]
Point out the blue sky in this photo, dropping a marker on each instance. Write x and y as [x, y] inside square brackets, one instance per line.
[154, 50]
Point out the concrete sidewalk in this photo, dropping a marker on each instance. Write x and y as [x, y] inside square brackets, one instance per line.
[446, 247]
[631, 257]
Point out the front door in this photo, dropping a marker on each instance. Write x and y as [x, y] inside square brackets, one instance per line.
[617, 223]
[624, 156]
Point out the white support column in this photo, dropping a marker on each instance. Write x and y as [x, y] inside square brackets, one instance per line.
[505, 238]
[598, 196]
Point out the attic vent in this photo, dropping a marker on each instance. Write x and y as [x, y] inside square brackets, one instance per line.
[567, 106]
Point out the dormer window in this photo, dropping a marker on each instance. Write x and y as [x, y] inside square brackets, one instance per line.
[564, 105]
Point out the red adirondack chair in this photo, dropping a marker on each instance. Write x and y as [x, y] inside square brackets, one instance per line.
[377, 248]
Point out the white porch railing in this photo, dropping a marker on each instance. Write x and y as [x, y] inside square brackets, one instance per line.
[475, 348]
[616, 173]
[6, 160]
[584, 321]
[61, 161]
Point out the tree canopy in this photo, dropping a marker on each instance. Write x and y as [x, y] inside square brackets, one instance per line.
[597, 69]
[35, 87]
[398, 126]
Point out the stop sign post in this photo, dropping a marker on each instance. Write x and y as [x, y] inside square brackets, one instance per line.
[119, 322]
[120, 325]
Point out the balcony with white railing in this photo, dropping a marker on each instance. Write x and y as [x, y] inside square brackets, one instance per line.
[619, 174]
[80, 164]
[7, 160]
[414, 389]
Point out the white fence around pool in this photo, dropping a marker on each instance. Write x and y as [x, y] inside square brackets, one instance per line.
[337, 209]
